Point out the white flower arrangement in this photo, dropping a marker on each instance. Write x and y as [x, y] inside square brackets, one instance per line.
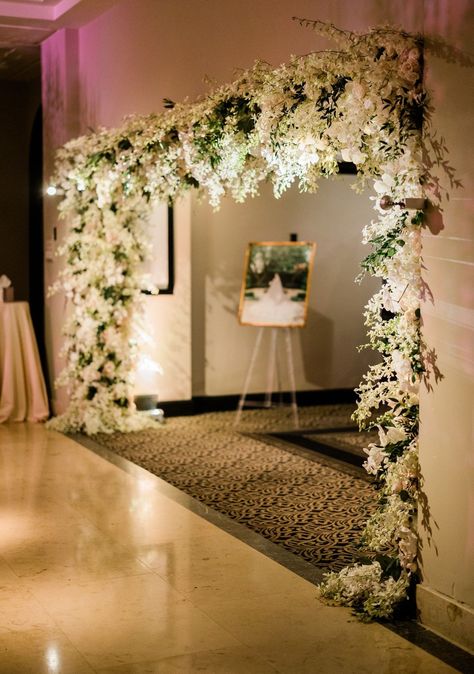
[366, 590]
[364, 104]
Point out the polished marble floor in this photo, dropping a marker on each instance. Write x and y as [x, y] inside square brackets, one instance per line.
[100, 571]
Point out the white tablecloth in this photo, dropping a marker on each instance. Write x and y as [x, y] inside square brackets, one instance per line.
[22, 389]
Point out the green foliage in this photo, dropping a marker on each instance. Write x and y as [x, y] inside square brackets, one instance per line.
[386, 246]
[396, 449]
[190, 180]
[240, 111]
[300, 297]
[91, 392]
[326, 104]
[297, 94]
[84, 359]
[282, 258]
[108, 156]
[390, 566]
[124, 144]
[418, 218]
[290, 262]
[122, 402]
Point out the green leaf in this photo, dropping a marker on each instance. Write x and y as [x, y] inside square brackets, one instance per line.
[191, 180]
[91, 391]
[124, 144]
[418, 218]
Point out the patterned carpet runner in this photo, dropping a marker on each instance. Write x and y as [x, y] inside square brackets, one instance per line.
[307, 502]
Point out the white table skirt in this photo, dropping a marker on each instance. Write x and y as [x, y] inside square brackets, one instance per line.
[22, 389]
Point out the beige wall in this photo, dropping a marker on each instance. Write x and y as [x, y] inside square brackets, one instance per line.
[325, 351]
[60, 95]
[169, 321]
[446, 438]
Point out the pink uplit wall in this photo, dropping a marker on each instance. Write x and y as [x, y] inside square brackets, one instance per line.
[139, 52]
[61, 113]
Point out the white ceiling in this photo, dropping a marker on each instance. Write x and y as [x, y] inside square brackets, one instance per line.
[24, 24]
[36, 10]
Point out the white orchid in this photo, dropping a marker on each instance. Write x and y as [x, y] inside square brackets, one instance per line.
[288, 124]
[376, 458]
[391, 436]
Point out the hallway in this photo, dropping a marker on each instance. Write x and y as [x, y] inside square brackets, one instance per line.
[100, 571]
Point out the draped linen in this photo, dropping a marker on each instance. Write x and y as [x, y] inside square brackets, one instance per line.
[23, 394]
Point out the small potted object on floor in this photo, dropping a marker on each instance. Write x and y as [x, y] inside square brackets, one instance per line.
[147, 404]
[7, 293]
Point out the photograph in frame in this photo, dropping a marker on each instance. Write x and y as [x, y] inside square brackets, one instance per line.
[276, 283]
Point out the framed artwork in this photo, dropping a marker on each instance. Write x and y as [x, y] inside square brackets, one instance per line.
[160, 266]
[276, 283]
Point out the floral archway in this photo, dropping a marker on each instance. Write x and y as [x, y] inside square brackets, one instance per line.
[363, 103]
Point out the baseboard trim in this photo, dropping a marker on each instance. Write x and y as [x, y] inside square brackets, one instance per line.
[446, 617]
[202, 404]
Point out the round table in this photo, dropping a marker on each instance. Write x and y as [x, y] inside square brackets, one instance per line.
[23, 394]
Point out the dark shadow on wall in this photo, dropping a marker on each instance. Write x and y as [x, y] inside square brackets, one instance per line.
[317, 341]
[15, 124]
[35, 236]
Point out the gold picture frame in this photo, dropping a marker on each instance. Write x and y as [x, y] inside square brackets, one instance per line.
[276, 283]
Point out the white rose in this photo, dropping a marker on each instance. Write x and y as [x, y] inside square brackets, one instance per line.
[389, 302]
[382, 187]
[395, 435]
[320, 144]
[401, 365]
[346, 154]
[413, 398]
[308, 153]
[358, 157]
[397, 487]
[108, 369]
[388, 179]
[356, 89]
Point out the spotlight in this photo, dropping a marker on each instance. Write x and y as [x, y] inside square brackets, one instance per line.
[51, 190]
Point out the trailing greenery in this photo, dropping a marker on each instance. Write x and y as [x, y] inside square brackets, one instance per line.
[363, 104]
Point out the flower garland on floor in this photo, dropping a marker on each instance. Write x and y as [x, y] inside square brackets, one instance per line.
[364, 104]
